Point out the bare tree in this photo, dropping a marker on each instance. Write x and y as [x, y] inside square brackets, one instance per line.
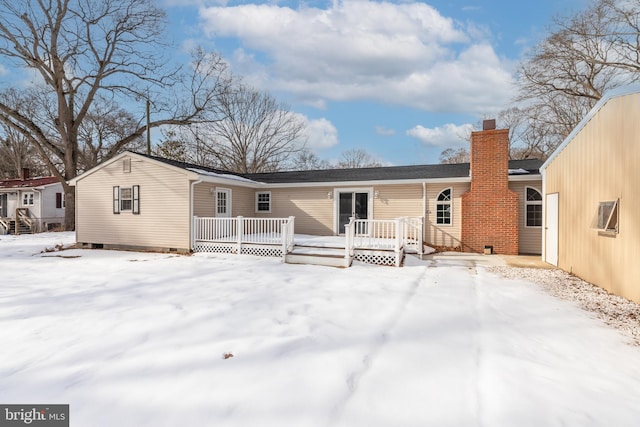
[16, 153]
[308, 160]
[585, 55]
[81, 49]
[104, 126]
[454, 155]
[357, 158]
[255, 134]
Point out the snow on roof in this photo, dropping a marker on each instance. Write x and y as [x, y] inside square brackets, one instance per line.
[220, 175]
[29, 182]
[519, 171]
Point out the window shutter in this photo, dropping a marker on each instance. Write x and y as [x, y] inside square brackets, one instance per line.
[116, 200]
[136, 200]
[58, 200]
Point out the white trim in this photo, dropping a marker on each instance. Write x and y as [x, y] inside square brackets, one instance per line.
[449, 202]
[523, 177]
[365, 183]
[336, 204]
[258, 193]
[229, 194]
[192, 213]
[534, 202]
[189, 174]
[32, 199]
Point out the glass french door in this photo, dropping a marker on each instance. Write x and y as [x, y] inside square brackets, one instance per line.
[352, 204]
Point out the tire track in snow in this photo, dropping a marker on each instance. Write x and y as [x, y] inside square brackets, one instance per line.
[477, 347]
[382, 338]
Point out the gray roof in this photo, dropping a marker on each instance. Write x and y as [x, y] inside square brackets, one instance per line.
[385, 173]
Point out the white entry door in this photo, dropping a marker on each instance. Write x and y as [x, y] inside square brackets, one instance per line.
[551, 229]
[223, 203]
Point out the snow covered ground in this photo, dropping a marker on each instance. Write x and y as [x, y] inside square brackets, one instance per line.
[137, 339]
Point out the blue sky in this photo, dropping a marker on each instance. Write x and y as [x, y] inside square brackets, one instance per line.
[403, 80]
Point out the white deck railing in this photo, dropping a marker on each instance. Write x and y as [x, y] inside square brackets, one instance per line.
[395, 235]
[245, 231]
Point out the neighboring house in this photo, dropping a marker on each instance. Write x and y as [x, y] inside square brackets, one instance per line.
[139, 201]
[30, 204]
[592, 202]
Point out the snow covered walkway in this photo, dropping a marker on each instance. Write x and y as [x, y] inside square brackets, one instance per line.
[133, 339]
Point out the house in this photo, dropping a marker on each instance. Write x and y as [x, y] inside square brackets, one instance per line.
[141, 201]
[592, 203]
[30, 204]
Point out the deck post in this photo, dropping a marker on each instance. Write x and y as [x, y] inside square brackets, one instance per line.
[194, 232]
[239, 232]
[285, 238]
[347, 244]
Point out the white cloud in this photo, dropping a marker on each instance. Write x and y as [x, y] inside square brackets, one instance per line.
[383, 131]
[320, 134]
[403, 54]
[447, 136]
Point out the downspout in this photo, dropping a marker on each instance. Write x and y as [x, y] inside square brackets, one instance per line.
[191, 211]
[544, 216]
[40, 209]
[424, 212]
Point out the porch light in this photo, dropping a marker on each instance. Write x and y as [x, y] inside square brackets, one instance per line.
[330, 195]
[376, 194]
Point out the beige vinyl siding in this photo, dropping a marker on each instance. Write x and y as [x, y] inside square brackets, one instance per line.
[529, 238]
[395, 201]
[600, 164]
[444, 235]
[163, 221]
[312, 208]
[204, 201]
[315, 210]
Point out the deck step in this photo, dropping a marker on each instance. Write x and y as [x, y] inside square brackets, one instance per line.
[316, 255]
[315, 259]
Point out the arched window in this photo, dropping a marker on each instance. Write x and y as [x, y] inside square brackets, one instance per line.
[533, 206]
[443, 207]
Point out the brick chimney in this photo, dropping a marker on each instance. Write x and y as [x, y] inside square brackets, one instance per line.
[25, 174]
[489, 208]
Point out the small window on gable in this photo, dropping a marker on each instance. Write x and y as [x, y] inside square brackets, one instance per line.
[608, 216]
[443, 207]
[533, 208]
[263, 201]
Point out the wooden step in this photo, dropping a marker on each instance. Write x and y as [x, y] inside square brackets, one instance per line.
[330, 260]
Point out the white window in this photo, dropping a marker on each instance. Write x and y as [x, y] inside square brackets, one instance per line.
[608, 216]
[27, 199]
[263, 201]
[443, 207]
[533, 207]
[126, 199]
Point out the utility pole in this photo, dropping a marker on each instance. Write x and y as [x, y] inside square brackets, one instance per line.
[148, 130]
